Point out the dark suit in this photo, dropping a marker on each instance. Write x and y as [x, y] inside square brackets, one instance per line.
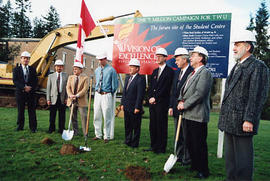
[181, 148]
[57, 100]
[132, 99]
[196, 97]
[23, 97]
[160, 89]
[246, 91]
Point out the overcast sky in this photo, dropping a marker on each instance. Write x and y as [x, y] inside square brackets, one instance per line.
[69, 11]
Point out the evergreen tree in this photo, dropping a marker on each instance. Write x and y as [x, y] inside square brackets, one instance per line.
[262, 50]
[21, 24]
[262, 38]
[5, 14]
[52, 20]
[39, 30]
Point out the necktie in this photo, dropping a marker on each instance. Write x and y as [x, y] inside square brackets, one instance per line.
[189, 79]
[76, 85]
[129, 81]
[58, 83]
[180, 75]
[179, 79]
[159, 72]
[100, 81]
[26, 75]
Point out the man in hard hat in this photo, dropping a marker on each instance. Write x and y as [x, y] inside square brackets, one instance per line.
[25, 81]
[159, 93]
[77, 89]
[57, 96]
[105, 88]
[194, 101]
[181, 56]
[245, 94]
[131, 103]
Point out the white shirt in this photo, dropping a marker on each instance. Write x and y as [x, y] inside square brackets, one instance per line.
[24, 69]
[184, 71]
[161, 69]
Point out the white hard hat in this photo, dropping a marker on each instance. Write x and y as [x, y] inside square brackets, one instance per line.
[134, 62]
[199, 49]
[180, 51]
[25, 54]
[78, 64]
[102, 55]
[162, 51]
[58, 62]
[243, 36]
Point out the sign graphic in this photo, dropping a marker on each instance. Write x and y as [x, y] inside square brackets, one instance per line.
[140, 37]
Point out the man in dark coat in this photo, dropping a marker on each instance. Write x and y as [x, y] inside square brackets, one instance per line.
[132, 103]
[25, 81]
[159, 93]
[245, 94]
[182, 61]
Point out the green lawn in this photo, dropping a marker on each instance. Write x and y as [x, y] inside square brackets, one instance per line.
[24, 157]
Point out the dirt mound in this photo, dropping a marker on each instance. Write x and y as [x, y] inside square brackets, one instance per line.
[137, 173]
[47, 141]
[69, 149]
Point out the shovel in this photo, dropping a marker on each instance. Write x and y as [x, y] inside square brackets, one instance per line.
[85, 148]
[173, 157]
[68, 134]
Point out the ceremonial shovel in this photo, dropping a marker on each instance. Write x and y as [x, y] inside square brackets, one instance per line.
[85, 148]
[173, 157]
[68, 134]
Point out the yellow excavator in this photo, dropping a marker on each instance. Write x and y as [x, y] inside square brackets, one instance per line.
[43, 55]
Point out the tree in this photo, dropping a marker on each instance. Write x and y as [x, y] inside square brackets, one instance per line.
[52, 20]
[39, 30]
[262, 44]
[5, 14]
[46, 24]
[21, 24]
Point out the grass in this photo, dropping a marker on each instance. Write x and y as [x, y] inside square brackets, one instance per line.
[24, 157]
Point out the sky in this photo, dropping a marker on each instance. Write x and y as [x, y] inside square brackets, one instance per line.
[69, 11]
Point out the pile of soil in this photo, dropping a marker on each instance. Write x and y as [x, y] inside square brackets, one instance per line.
[47, 141]
[69, 149]
[137, 173]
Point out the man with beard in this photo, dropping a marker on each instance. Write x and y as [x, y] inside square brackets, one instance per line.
[245, 94]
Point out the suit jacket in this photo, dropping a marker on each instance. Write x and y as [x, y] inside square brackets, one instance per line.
[82, 90]
[176, 87]
[133, 96]
[160, 88]
[19, 82]
[52, 88]
[196, 96]
[246, 91]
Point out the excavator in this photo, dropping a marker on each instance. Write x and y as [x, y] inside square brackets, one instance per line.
[44, 54]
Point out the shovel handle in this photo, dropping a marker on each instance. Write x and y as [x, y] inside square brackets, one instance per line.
[178, 127]
[70, 115]
[89, 106]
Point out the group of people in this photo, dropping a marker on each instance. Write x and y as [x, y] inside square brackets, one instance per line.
[185, 91]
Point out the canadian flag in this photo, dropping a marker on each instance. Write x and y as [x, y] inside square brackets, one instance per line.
[87, 24]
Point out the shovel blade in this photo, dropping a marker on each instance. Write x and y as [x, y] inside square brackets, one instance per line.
[170, 163]
[84, 148]
[67, 134]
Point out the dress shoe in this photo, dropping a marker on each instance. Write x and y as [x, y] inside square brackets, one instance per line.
[186, 162]
[50, 131]
[95, 138]
[60, 131]
[149, 149]
[106, 141]
[18, 129]
[159, 151]
[200, 175]
[34, 131]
